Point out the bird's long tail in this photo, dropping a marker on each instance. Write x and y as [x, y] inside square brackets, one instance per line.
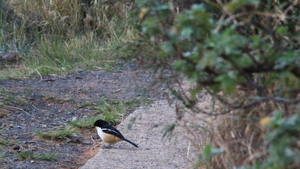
[135, 145]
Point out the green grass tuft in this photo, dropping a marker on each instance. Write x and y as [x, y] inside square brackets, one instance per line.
[58, 134]
[109, 111]
[83, 123]
[47, 156]
[3, 142]
[26, 155]
[88, 122]
[31, 155]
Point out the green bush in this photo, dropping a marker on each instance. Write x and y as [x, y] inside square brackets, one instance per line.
[251, 50]
[246, 54]
[283, 142]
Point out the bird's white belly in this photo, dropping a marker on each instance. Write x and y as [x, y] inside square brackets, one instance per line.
[100, 133]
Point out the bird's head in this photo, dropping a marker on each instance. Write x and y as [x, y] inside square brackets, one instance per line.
[99, 123]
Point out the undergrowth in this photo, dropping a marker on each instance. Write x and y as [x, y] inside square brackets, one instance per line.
[59, 37]
[244, 56]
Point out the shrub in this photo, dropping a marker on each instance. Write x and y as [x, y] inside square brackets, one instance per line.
[245, 54]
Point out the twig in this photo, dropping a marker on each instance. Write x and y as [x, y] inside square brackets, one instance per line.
[18, 109]
[278, 99]
[116, 91]
[39, 75]
[92, 139]
[227, 11]
[283, 15]
[188, 150]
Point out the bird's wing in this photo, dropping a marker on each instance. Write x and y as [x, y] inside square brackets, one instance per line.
[111, 130]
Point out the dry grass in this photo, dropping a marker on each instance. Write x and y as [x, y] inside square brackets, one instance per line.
[239, 137]
[237, 133]
[58, 37]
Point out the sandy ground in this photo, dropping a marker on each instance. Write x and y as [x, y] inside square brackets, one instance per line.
[153, 151]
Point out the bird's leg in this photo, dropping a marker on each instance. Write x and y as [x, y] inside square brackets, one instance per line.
[108, 146]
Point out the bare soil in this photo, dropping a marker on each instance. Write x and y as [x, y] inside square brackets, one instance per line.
[49, 103]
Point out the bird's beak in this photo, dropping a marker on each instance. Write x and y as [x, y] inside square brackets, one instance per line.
[93, 126]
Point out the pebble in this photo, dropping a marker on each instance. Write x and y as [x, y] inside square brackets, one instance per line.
[87, 143]
[95, 136]
[74, 118]
[28, 142]
[16, 147]
[74, 139]
[33, 148]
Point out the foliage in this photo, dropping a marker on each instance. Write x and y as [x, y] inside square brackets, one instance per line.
[220, 54]
[245, 54]
[283, 142]
[207, 154]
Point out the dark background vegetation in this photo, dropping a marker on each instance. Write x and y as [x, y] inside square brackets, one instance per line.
[243, 53]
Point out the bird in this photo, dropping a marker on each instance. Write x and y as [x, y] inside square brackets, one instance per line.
[109, 134]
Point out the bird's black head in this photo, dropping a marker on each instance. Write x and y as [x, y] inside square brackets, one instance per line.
[100, 123]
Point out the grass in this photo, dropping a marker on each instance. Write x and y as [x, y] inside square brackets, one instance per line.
[112, 109]
[116, 106]
[108, 113]
[84, 122]
[10, 98]
[109, 110]
[85, 104]
[88, 122]
[30, 155]
[3, 145]
[59, 56]
[3, 142]
[5, 97]
[133, 103]
[55, 37]
[58, 134]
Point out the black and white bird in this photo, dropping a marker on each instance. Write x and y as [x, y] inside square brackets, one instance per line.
[109, 134]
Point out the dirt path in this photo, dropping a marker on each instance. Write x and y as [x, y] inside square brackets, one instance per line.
[153, 151]
[49, 103]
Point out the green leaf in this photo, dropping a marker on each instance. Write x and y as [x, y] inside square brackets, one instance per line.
[227, 83]
[187, 32]
[238, 4]
[140, 3]
[209, 152]
[195, 91]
